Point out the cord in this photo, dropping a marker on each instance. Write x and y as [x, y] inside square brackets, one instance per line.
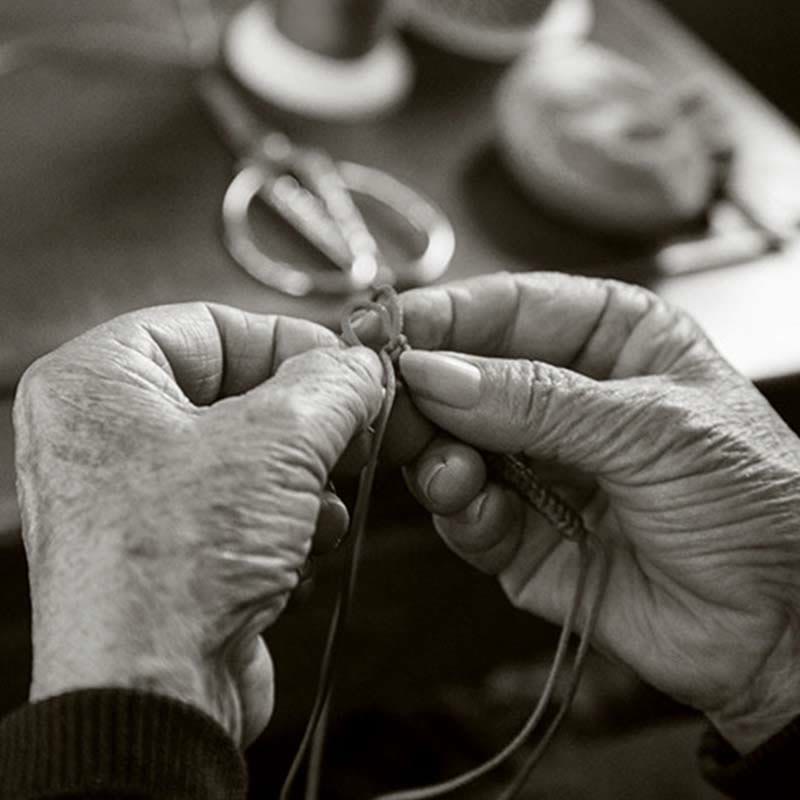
[348, 581]
[516, 786]
[451, 785]
[514, 471]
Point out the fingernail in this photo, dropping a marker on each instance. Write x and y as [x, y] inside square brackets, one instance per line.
[442, 378]
[473, 512]
[427, 477]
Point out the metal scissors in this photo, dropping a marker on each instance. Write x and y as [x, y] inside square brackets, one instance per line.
[314, 194]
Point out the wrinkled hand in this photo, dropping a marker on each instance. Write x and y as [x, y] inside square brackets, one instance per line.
[674, 459]
[172, 467]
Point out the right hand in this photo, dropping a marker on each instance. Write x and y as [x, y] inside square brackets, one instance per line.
[676, 462]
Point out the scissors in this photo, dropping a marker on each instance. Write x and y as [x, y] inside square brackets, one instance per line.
[315, 195]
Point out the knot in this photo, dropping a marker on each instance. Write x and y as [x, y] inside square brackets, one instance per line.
[385, 306]
[395, 347]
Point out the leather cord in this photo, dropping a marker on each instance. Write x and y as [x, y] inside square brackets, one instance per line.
[515, 472]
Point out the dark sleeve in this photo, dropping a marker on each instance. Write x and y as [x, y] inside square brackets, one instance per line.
[114, 743]
[771, 772]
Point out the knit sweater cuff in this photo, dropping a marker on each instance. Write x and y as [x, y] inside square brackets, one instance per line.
[117, 742]
[769, 771]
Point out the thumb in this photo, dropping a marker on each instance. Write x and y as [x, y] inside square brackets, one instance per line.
[316, 402]
[512, 406]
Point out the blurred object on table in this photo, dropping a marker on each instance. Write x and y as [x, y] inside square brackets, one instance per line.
[184, 35]
[314, 195]
[497, 30]
[733, 234]
[599, 140]
[320, 59]
[596, 138]
[343, 29]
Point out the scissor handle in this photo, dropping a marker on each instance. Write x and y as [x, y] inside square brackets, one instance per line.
[418, 212]
[240, 241]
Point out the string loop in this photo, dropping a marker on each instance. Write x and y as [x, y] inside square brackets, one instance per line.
[385, 305]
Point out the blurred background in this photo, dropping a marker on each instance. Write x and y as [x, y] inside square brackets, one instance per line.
[113, 175]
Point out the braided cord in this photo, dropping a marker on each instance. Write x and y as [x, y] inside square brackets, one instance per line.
[519, 475]
[513, 471]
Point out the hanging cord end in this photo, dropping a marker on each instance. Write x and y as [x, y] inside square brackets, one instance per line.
[390, 342]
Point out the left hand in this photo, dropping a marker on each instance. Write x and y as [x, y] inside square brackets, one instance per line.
[172, 466]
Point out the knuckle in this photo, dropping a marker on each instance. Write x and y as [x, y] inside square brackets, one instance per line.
[529, 387]
[684, 345]
[352, 380]
[634, 304]
[301, 439]
[653, 327]
[635, 295]
[519, 401]
[304, 330]
[35, 386]
[679, 322]
[358, 366]
[314, 366]
[33, 380]
[292, 412]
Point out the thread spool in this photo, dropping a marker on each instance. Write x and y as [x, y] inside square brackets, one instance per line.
[334, 28]
[497, 31]
[325, 59]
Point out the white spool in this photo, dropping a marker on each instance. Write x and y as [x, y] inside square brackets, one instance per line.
[281, 72]
[562, 19]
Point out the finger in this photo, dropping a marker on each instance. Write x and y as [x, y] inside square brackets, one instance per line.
[282, 439]
[314, 405]
[487, 533]
[498, 533]
[253, 670]
[542, 576]
[300, 596]
[408, 432]
[600, 328]
[354, 458]
[407, 435]
[214, 351]
[332, 523]
[447, 477]
[512, 406]
[501, 535]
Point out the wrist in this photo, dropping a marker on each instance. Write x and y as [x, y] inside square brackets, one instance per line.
[770, 702]
[205, 687]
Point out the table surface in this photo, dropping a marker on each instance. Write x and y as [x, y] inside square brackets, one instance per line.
[113, 177]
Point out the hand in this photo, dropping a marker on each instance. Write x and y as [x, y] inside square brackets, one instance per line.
[676, 462]
[171, 468]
